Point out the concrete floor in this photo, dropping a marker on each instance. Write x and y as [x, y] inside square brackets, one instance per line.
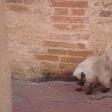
[57, 96]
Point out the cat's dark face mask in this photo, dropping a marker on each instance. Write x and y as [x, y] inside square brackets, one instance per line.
[81, 81]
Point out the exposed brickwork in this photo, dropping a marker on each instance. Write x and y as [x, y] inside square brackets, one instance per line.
[55, 35]
[18, 8]
[61, 11]
[68, 28]
[70, 59]
[67, 66]
[47, 57]
[14, 1]
[83, 53]
[78, 12]
[101, 34]
[66, 19]
[49, 67]
[28, 2]
[77, 4]
[44, 39]
[64, 45]
[57, 51]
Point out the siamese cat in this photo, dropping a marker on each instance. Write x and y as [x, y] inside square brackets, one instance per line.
[93, 71]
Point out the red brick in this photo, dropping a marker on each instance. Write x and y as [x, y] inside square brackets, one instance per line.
[71, 36]
[49, 66]
[86, 36]
[64, 44]
[68, 27]
[77, 27]
[28, 1]
[61, 11]
[78, 4]
[67, 66]
[18, 8]
[83, 53]
[20, 1]
[60, 19]
[65, 19]
[61, 26]
[13, 1]
[78, 12]
[77, 19]
[81, 46]
[47, 57]
[57, 51]
[71, 59]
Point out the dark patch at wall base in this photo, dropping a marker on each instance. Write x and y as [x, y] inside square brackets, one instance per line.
[48, 76]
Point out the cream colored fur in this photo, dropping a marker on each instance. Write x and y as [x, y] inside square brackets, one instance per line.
[96, 69]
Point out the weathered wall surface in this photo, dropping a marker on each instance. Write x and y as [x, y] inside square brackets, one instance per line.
[54, 35]
[101, 24]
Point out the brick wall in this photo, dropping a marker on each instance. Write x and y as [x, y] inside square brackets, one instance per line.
[101, 24]
[52, 36]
